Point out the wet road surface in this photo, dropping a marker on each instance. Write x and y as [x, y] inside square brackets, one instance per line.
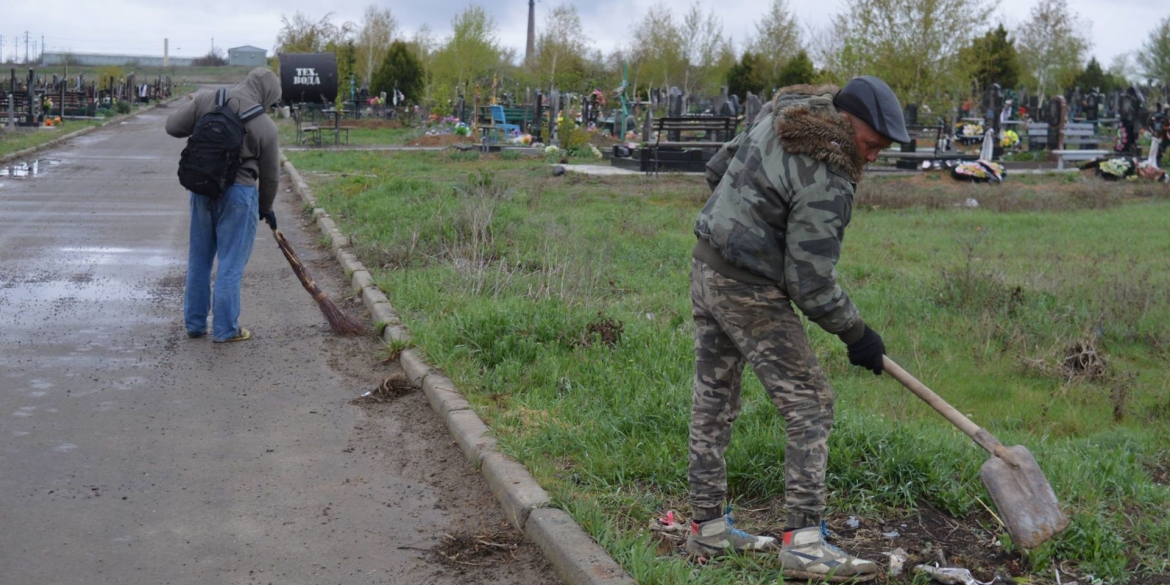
[130, 454]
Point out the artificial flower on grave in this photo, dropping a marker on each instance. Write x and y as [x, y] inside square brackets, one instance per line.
[1115, 168]
[598, 97]
[1122, 139]
[971, 131]
[1145, 171]
[552, 150]
[979, 171]
[1010, 139]
[593, 151]
[631, 136]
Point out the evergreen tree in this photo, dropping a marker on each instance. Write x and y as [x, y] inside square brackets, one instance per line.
[799, 69]
[992, 58]
[747, 75]
[1095, 77]
[402, 69]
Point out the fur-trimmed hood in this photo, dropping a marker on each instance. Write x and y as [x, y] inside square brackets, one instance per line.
[806, 122]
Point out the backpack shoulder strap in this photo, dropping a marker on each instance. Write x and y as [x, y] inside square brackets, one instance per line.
[251, 112]
[220, 97]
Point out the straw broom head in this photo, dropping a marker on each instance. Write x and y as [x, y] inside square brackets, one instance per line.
[339, 321]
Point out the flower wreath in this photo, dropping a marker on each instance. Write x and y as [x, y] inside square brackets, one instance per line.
[980, 171]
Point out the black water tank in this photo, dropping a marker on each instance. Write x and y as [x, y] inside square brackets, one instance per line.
[308, 77]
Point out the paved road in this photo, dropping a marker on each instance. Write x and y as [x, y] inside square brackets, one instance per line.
[132, 455]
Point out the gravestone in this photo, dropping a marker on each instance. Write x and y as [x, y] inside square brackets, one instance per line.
[676, 103]
[910, 114]
[675, 111]
[1131, 111]
[1093, 106]
[736, 107]
[751, 109]
[719, 102]
[647, 126]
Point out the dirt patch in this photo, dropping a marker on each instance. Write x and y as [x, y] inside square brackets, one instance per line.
[477, 550]
[441, 140]
[1161, 473]
[603, 330]
[937, 190]
[374, 124]
[926, 536]
[392, 388]
[1083, 360]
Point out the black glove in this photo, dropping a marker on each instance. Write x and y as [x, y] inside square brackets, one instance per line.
[867, 352]
[269, 217]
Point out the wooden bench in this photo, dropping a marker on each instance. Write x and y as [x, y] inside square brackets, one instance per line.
[1076, 134]
[715, 131]
[306, 134]
[1076, 155]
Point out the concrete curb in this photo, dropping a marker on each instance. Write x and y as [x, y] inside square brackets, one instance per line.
[576, 558]
[58, 140]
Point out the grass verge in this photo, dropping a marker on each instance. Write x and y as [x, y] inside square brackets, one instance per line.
[559, 305]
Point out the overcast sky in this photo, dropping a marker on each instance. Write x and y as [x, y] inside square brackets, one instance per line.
[139, 26]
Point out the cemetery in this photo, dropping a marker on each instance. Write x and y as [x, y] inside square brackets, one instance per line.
[531, 218]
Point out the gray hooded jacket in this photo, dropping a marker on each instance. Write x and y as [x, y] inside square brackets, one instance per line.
[261, 149]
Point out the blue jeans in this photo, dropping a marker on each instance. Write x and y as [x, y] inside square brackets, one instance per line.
[226, 228]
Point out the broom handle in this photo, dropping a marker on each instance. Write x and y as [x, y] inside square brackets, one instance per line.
[980, 436]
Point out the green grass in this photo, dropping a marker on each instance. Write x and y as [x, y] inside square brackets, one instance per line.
[22, 138]
[358, 136]
[560, 307]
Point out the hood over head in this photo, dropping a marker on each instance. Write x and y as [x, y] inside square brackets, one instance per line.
[807, 122]
[261, 86]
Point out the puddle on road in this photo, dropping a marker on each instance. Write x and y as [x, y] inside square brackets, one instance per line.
[28, 169]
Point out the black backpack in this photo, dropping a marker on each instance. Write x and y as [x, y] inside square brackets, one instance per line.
[209, 163]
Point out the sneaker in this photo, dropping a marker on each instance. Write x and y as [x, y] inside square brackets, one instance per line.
[720, 536]
[805, 555]
[241, 335]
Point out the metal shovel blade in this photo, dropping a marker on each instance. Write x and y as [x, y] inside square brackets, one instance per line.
[1018, 487]
[1024, 497]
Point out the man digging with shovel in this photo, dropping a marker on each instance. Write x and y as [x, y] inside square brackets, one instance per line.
[768, 238]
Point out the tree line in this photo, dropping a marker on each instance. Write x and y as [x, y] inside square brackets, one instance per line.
[932, 52]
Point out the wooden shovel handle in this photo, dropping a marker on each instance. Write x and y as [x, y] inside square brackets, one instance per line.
[981, 437]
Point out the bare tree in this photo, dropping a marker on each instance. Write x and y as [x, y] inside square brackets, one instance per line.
[777, 38]
[702, 45]
[301, 34]
[1052, 43]
[1154, 57]
[912, 44]
[560, 48]
[378, 30]
[656, 49]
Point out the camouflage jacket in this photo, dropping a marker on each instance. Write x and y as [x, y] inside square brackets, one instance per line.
[782, 194]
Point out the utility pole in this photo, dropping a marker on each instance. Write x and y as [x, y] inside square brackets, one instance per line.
[26, 47]
[42, 59]
[1, 48]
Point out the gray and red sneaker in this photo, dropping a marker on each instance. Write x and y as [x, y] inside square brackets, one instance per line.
[805, 555]
[720, 536]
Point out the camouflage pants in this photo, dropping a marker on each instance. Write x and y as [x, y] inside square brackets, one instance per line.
[738, 323]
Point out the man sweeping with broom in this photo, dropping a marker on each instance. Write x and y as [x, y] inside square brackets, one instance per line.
[226, 204]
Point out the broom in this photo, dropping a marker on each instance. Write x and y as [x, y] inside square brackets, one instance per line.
[339, 321]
